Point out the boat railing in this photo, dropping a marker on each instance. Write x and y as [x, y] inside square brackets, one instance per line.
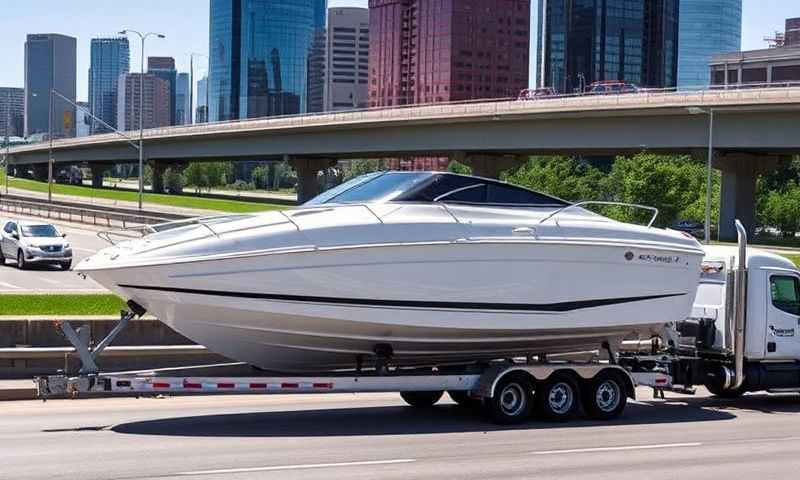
[602, 202]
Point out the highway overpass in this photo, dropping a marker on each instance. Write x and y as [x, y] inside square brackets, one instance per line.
[754, 128]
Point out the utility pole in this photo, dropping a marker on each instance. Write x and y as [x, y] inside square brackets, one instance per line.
[50, 152]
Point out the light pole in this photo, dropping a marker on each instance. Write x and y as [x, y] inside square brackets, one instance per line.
[143, 37]
[50, 152]
[710, 112]
[8, 138]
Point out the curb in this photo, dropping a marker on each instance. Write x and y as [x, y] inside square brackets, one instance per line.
[11, 394]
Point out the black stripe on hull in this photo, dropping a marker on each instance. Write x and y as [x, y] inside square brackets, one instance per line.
[522, 307]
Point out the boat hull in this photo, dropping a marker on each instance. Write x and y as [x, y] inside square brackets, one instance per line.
[433, 304]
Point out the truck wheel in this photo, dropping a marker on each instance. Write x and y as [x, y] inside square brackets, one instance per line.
[720, 393]
[557, 398]
[604, 396]
[464, 400]
[421, 399]
[512, 401]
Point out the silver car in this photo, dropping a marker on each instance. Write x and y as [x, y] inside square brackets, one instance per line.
[30, 242]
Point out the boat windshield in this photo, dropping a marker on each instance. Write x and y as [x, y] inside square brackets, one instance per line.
[371, 188]
[431, 187]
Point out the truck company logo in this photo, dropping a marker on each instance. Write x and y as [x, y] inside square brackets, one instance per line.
[669, 259]
[781, 332]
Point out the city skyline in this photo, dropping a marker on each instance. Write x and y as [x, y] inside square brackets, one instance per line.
[81, 20]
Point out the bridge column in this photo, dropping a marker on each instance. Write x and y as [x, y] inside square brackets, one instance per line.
[491, 166]
[307, 170]
[738, 194]
[97, 174]
[39, 171]
[157, 182]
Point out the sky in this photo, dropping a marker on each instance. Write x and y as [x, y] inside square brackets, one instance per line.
[185, 24]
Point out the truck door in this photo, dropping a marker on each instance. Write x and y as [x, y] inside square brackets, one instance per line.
[783, 315]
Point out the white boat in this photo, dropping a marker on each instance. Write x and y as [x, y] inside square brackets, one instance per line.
[417, 268]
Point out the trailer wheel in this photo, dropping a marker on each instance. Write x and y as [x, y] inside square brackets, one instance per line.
[557, 398]
[421, 399]
[721, 393]
[512, 401]
[604, 396]
[464, 400]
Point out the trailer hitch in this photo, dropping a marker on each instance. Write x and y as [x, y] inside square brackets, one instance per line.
[80, 338]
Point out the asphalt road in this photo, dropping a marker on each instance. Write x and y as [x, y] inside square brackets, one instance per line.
[52, 279]
[371, 436]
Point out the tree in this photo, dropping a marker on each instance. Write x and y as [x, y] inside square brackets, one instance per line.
[173, 181]
[457, 167]
[781, 209]
[562, 177]
[260, 177]
[195, 176]
[361, 167]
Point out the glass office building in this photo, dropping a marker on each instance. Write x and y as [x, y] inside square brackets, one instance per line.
[707, 28]
[50, 64]
[584, 41]
[259, 56]
[110, 58]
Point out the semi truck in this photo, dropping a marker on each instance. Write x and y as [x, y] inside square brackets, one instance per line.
[742, 336]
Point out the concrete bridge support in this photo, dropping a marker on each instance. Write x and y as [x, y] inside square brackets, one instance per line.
[157, 182]
[307, 170]
[488, 165]
[98, 170]
[738, 195]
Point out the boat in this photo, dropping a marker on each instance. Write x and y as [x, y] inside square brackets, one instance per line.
[406, 269]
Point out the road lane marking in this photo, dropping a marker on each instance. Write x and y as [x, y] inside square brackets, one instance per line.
[617, 449]
[296, 467]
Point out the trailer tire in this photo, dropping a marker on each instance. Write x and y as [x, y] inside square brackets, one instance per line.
[463, 399]
[512, 400]
[557, 398]
[421, 399]
[721, 393]
[604, 396]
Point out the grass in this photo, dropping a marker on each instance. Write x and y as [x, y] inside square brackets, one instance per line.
[794, 258]
[95, 304]
[182, 201]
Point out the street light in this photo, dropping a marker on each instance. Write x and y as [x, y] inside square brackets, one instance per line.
[710, 112]
[8, 139]
[143, 37]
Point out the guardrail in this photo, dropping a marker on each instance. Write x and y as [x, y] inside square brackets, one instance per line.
[92, 216]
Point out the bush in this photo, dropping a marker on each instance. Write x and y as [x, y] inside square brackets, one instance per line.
[781, 209]
[173, 181]
[260, 177]
[241, 185]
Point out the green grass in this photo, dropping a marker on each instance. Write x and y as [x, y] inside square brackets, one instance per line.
[182, 201]
[794, 258]
[99, 304]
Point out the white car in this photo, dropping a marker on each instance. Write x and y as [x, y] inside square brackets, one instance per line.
[30, 242]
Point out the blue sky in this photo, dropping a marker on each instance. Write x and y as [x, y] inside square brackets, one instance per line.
[185, 23]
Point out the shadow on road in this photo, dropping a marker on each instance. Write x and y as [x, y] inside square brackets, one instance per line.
[393, 420]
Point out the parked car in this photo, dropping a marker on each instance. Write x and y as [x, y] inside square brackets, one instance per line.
[612, 87]
[537, 93]
[70, 176]
[31, 242]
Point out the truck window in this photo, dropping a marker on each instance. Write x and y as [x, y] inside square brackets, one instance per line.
[785, 292]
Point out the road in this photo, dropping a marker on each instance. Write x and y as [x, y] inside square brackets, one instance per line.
[52, 279]
[371, 436]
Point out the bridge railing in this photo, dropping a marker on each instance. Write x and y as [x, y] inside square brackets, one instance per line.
[730, 94]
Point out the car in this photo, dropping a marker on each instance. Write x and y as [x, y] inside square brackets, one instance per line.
[30, 242]
[537, 93]
[612, 87]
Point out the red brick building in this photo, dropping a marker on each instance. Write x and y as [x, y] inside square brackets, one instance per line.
[426, 51]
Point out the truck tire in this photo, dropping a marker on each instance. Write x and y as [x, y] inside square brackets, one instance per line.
[421, 399]
[557, 398]
[720, 393]
[604, 396]
[512, 401]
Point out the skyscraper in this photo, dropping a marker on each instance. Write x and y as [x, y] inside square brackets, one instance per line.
[707, 28]
[110, 58]
[12, 112]
[156, 109]
[792, 35]
[201, 113]
[259, 54]
[50, 64]
[346, 67]
[424, 51]
[164, 68]
[585, 41]
[182, 100]
[83, 122]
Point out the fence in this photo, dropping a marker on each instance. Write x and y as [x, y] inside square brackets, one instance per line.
[109, 218]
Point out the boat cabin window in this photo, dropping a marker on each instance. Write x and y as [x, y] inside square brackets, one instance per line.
[785, 292]
[432, 187]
